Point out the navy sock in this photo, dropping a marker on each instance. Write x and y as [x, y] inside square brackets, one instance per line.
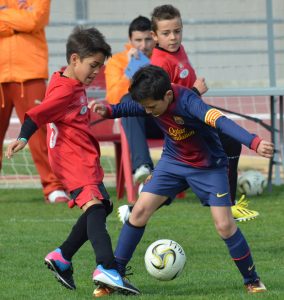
[129, 238]
[240, 254]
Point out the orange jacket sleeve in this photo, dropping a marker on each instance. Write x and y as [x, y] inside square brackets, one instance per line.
[117, 83]
[5, 30]
[27, 20]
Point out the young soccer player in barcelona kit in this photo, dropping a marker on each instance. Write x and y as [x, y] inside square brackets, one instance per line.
[192, 156]
[74, 156]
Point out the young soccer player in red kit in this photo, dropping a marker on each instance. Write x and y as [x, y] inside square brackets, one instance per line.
[170, 55]
[74, 156]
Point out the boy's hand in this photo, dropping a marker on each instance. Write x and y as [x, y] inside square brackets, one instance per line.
[14, 147]
[136, 61]
[133, 52]
[99, 108]
[200, 84]
[265, 149]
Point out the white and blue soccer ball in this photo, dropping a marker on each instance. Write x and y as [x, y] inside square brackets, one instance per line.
[165, 259]
[252, 183]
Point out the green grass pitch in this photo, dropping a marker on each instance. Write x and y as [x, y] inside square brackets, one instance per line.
[30, 229]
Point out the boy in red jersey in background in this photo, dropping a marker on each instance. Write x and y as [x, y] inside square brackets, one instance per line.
[74, 156]
[170, 55]
[198, 85]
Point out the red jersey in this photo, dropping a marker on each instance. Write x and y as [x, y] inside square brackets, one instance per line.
[176, 64]
[74, 154]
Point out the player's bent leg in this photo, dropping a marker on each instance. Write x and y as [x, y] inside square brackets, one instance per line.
[124, 211]
[238, 247]
[223, 219]
[111, 279]
[145, 206]
[133, 229]
[61, 268]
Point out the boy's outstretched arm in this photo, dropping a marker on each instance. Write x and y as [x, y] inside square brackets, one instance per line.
[126, 109]
[216, 119]
[99, 108]
[252, 141]
[28, 128]
[14, 147]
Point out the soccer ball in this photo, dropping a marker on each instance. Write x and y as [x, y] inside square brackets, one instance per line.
[165, 259]
[252, 183]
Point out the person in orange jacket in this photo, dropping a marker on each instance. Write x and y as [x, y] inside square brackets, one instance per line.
[23, 75]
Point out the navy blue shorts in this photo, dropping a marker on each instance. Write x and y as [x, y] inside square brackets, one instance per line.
[211, 186]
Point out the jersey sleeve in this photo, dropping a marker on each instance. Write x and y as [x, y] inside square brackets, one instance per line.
[30, 19]
[54, 106]
[214, 118]
[127, 109]
[5, 30]
[237, 132]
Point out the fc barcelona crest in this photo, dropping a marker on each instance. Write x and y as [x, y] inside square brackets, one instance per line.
[178, 120]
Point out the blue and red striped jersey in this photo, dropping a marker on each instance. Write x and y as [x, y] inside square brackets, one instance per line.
[191, 129]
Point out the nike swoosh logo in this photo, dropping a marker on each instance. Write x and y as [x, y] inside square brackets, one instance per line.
[250, 268]
[112, 277]
[221, 195]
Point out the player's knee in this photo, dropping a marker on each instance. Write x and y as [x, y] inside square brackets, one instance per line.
[225, 228]
[139, 216]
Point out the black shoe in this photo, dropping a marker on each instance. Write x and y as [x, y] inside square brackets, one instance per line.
[64, 277]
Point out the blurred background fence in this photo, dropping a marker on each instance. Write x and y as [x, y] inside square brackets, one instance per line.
[236, 45]
[230, 43]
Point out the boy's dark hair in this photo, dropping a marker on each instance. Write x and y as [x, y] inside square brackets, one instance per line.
[150, 82]
[86, 42]
[163, 12]
[139, 24]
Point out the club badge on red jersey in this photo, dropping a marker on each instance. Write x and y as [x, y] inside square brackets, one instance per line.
[184, 72]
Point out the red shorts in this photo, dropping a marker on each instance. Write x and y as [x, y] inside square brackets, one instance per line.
[88, 193]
